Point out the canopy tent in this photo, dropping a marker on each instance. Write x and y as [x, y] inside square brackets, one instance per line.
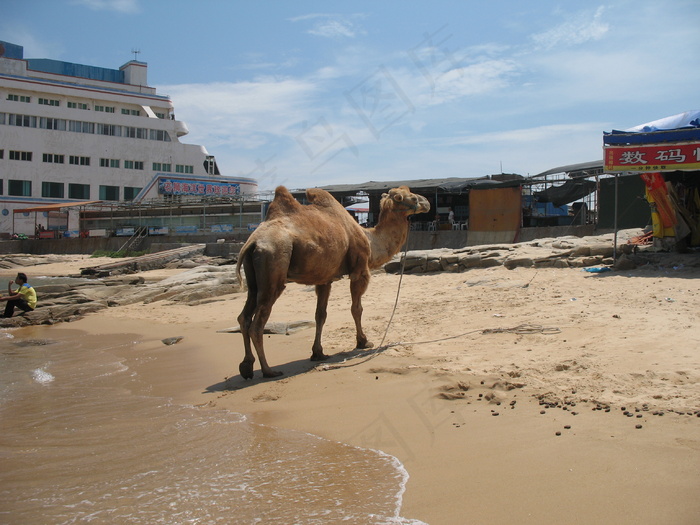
[582, 169]
[48, 208]
[687, 119]
[663, 152]
[667, 144]
[570, 191]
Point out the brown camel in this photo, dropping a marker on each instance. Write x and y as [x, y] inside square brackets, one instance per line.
[316, 244]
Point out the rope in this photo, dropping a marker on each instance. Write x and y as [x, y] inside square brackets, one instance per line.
[371, 354]
[398, 289]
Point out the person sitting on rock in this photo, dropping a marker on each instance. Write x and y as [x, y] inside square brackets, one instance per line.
[23, 298]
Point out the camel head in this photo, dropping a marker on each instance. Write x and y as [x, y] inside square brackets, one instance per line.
[402, 200]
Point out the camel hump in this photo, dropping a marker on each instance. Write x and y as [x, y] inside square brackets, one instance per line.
[320, 197]
[283, 204]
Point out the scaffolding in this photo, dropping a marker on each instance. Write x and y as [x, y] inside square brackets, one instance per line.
[179, 215]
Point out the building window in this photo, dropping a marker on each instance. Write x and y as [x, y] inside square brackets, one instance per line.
[81, 127]
[133, 164]
[160, 115]
[52, 190]
[21, 155]
[105, 109]
[19, 98]
[52, 157]
[109, 193]
[52, 123]
[180, 168]
[78, 191]
[135, 133]
[109, 163]
[158, 166]
[2, 153]
[130, 193]
[25, 121]
[134, 112]
[49, 102]
[79, 161]
[78, 105]
[109, 129]
[19, 188]
[159, 134]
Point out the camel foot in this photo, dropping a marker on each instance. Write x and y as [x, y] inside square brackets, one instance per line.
[246, 369]
[364, 346]
[271, 373]
[319, 357]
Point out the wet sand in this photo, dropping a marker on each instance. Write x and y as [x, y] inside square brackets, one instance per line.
[526, 395]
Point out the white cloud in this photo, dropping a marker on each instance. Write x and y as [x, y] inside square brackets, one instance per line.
[580, 28]
[331, 25]
[120, 6]
[541, 134]
[241, 114]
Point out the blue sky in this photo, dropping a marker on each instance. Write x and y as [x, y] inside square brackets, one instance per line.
[310, 93]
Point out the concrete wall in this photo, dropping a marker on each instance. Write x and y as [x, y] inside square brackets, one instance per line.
[453, 239]
[417, 240]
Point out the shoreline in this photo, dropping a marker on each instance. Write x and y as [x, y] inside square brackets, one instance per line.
[620, 343]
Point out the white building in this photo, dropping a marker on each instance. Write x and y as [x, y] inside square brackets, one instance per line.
[71, 133]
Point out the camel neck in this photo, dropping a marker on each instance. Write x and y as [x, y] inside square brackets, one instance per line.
[387, 237]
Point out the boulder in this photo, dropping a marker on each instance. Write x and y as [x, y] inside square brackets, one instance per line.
[516, 262]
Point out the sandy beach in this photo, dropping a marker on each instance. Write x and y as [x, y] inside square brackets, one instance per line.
[549, 395]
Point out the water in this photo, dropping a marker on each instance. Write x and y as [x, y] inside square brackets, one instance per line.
[74, 281]
[82, 441]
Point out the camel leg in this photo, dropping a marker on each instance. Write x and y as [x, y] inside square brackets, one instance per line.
[260, 317]
[358, 286]
[263, 291]
[244, 320]
[323, 292]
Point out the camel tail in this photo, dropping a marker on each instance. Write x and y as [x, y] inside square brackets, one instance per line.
[241, 257]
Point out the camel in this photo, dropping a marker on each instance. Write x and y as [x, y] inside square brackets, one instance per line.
[316, 244]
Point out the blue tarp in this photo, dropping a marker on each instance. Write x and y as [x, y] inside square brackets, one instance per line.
[684, 127]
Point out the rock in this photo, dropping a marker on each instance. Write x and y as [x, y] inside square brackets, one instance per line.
[433, 265]
[413, 261]
[606, 250]
[523, 262]
[490, 263]
[470, 261]
[624, 263]
[171, 340]
[52, 288]
[392, 267]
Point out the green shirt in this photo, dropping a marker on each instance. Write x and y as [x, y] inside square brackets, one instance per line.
[28, 294]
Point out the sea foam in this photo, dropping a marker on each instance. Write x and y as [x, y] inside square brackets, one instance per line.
[42, 376]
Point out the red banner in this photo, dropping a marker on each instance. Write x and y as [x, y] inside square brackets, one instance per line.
[659, 157]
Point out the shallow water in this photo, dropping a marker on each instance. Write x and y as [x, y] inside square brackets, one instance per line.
[42, 280]
[81, 440]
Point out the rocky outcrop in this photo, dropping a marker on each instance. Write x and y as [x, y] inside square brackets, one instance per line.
[64, 303]
[559, 252]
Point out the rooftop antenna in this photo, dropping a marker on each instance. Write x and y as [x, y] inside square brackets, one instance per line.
[136, 53]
